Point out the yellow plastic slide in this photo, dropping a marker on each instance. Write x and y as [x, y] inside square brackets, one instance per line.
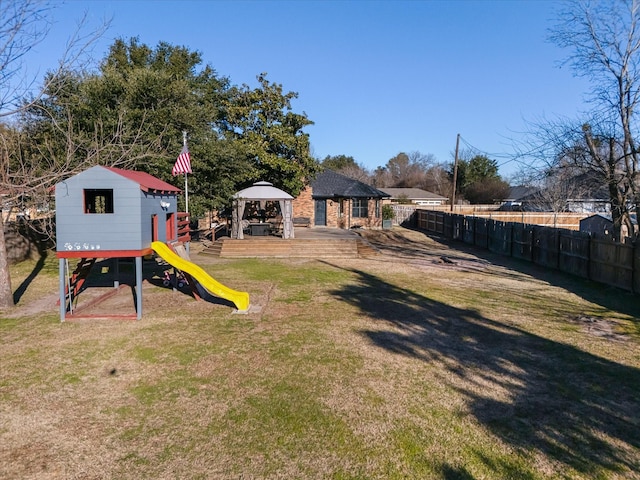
[240, 299]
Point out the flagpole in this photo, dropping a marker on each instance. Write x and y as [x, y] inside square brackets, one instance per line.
[186, 186]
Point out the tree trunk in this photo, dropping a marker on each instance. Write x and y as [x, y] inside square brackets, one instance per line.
[6, 294]
[619, 212]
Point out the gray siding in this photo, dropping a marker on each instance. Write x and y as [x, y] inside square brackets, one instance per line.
[127, 228]
[151, 205]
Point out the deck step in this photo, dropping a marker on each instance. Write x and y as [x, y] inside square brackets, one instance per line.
[278, 247]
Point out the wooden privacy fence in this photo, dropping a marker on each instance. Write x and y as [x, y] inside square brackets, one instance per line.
[566, 220]
[577, 253]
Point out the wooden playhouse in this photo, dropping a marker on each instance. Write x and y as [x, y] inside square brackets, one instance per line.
[110, 213]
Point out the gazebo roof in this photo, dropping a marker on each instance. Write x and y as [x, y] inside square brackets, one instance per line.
[262, 191]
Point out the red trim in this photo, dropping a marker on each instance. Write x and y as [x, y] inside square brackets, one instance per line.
[147, 182]
[121, 317]
[77, 312]
[154, 227]
[183, 227]
[104, 253]
[171, 226]
[110, 293]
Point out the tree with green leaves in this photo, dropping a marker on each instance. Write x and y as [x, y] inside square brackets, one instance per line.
[269, 136]
[478, 180]
[236, 135]
[152, 95]
[131, 113]
[338, 162]
[488, 191]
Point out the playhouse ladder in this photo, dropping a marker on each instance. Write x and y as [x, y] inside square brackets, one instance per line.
[78, 277]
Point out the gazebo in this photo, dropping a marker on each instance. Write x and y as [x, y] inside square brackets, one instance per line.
[262, 192]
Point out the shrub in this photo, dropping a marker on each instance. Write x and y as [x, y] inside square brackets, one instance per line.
[387, 212]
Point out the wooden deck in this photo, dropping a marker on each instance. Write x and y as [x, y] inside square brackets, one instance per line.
[308, 243]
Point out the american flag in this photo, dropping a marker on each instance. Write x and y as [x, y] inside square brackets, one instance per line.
[183, 163]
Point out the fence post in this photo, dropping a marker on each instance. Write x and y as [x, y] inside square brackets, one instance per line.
[556, 233]
[510, 239]
[635, 265]
[473, 230]
[589, 256]
[533, 244]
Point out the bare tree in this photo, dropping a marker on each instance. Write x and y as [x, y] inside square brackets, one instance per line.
[404, 170]
[437, 180]
[569, 157]
[24, 24]
[347, 166]
[557, 187]
[357, 172]
[604, 41]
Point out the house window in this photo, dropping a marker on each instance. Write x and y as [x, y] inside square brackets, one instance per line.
[98, 201]
[360, 208]
[377, 208]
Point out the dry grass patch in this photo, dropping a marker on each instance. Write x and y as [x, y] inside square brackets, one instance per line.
[424, 362]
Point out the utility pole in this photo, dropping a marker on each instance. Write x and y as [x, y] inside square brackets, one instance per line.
[455, 173]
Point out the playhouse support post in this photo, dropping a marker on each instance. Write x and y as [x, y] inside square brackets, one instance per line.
[116, 272]
[139, 287]
[62, 279]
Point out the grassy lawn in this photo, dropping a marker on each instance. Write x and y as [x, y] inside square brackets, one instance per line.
[424, 362]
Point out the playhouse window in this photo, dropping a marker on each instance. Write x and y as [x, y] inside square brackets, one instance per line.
[98, 201]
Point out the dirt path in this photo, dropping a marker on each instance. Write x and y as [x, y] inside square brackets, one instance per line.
[416, 248]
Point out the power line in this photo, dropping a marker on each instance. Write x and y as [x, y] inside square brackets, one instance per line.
[483, 152]
[513, 157]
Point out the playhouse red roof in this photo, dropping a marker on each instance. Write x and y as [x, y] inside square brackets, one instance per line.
[148, 183]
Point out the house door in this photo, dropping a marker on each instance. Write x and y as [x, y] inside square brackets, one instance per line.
[320, 213]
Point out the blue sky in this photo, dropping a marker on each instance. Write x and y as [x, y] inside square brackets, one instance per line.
[376, 77]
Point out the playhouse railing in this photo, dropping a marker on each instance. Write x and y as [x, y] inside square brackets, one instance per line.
[184, 231]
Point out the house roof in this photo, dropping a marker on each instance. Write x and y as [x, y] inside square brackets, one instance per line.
[148, 183]
[580, 188]
[520, 192]
[262, 191]
[588, 186]
[330, 184]
[608, 218]
[412, 193]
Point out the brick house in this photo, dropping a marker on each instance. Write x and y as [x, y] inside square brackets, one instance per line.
[334, 200]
